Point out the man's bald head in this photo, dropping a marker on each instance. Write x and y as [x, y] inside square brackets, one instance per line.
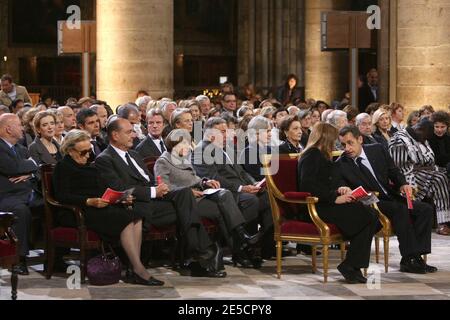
[68, 118]
[11, 128]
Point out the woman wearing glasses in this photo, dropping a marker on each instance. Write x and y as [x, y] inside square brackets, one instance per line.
[76, 183]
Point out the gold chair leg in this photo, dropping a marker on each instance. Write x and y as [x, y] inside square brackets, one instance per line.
[386, 254]
[343, 251]
[279, 256]
[377, 250]
[314, 259]
[325, 263]
[365, 272]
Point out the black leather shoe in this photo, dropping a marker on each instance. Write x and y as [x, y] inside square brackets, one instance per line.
[21, 269]
[428, 268]
[412, 266]
[350, 275]
[204, 273]
[245, 238]
[240, 259]
[306, 250]
[152, 282]
[360, 277]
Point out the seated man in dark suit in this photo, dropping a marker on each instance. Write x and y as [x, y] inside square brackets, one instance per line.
[16, 189]
[153, 145]
[211, 160]
[121, 169]
[87, 120]
[371, 167]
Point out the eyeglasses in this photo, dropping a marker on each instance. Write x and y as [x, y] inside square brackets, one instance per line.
[84, 153]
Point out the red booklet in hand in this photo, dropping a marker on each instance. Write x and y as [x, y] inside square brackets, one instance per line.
[114, 197]
[409, 201]
[360, 193]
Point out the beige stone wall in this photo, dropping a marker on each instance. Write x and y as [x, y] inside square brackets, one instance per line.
[423, 53]
[134, 49]
[326, 73]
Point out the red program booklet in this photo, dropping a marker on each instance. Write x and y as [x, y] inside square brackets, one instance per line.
[114, 197]
[360, 193]
[409, 201]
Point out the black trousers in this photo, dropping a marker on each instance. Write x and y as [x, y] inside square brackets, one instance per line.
[358, 224]
[178, 207]
[413, 230]
[20, 205]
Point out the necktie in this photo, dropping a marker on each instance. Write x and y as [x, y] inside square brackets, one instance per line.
[132, 166]
[13, 149]
[163, 147]
[370, 179]
[97, 150]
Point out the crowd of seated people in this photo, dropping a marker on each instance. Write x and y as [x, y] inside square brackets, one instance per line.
[209, 156]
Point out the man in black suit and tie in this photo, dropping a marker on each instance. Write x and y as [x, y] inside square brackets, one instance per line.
[371, 167]
[153, 145]
[369, 92]
[365, 126]
[87, 120]
[122, 168]
[16, 189]
[212, 161]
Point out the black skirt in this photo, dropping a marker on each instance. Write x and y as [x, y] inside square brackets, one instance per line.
[108, 222]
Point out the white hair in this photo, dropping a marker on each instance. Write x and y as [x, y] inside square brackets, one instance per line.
[143, 101]
[334, 116]
[202, 98]
[361, 117]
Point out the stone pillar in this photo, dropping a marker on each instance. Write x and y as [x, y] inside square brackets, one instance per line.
[270, 41]
[384, 52]
[134, 49]
[423, 51]
[326, 73]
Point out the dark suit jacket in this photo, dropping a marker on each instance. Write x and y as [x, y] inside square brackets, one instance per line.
[247, 159]
[15, 166]
[147, 149]
[365, 98]
[117, 175]
[383, 165]
[230, 176]
[315, 175]
[40, 154]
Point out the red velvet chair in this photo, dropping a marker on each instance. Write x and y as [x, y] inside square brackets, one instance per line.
[9, 256]
[80, 238]
[285, 202]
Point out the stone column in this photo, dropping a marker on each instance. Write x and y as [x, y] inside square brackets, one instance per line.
[271, 41]
[326, 75]
[134, 49]
[423, 51]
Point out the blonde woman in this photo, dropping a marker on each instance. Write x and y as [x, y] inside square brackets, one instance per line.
[382, 123]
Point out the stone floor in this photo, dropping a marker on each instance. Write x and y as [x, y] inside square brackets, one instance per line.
[297, 283]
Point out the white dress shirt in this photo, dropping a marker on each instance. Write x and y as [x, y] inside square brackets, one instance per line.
[365, 161]
[123, 154]
[157, 143]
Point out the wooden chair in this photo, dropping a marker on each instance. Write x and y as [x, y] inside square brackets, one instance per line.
[80, 237]
[285, 202]
[9, 253]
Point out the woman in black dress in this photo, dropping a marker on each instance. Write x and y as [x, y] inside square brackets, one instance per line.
[336, 205]
[76, 183]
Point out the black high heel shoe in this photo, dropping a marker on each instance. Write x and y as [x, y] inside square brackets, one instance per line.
[152, 282]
